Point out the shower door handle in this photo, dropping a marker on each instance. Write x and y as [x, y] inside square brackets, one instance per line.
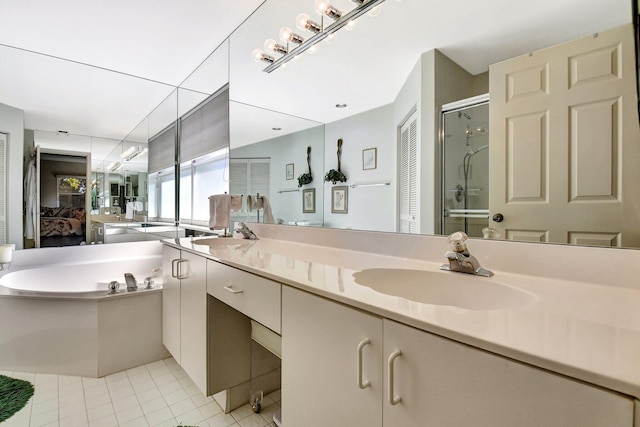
[497, 217]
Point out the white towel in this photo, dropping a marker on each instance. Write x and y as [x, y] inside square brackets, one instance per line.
[130, 210]
[220, 206]
[261, 202]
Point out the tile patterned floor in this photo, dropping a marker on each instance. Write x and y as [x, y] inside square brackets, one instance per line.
[156, 394]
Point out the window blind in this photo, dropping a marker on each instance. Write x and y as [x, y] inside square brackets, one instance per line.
[162, 150]
[205, 129]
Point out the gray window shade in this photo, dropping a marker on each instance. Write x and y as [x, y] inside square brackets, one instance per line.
[162, 150]
[205, 129]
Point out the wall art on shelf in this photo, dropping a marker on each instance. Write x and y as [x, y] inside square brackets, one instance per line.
[289, 171]
[369, 158]
[339, 199]
[309, 200]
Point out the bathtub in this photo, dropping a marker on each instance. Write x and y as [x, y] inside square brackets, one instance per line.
[59, 318]
[80, 278]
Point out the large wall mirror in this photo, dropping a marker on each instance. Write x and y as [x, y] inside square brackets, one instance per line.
[410, 64]
[411, 71]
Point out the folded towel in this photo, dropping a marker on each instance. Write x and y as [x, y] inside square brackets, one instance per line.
[220, 206]
[261, 202]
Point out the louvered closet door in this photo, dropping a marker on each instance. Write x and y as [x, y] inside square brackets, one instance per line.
[563, 148]
[3, 188]
[408, 178]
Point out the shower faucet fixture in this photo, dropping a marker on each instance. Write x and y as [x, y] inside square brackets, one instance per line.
[460, 260]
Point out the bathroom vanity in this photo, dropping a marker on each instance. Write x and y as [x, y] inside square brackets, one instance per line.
[533, 345]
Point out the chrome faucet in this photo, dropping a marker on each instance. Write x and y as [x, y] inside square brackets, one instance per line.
[460, 260]
[246, 232]
[132, 283]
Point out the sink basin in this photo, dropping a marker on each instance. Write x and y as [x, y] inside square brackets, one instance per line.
[444, 288]
[222, 242]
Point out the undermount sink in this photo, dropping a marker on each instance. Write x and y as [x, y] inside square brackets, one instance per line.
[222, 242]
[444, 288]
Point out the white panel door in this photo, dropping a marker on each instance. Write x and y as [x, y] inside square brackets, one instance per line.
[331, 365]
[564, 143]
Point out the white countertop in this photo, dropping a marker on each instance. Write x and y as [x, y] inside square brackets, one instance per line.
[586, 331]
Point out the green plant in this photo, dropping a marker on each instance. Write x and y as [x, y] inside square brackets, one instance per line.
[333, 175]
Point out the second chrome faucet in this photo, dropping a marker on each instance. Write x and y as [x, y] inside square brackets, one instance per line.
[460, 260]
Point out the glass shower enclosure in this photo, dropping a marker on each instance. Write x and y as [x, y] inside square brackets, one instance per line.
[465, 166]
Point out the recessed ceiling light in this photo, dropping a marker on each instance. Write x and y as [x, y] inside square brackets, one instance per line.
[341, 105]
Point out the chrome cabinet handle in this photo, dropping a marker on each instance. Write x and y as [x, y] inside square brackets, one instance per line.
[173, 268]
[229, 288]
[361, 346]
[393, 399]
[179, 264]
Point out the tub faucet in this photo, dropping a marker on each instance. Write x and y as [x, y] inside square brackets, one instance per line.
[460, 260]
[132, 283]
[246, 232]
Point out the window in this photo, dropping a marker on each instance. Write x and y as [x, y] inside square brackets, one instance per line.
[71, 190]
[249, 176]
[199, 179]
[162, 195]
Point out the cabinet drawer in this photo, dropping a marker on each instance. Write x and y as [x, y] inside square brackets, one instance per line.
[255, 297]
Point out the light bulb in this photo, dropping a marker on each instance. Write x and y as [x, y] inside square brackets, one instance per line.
[311, 51]
[375, 11]
[304, 23]
[271, 45]
[257, 55]
[351, 25]
[323, 7]
[260, 56]
[331, 38]
[287, 35]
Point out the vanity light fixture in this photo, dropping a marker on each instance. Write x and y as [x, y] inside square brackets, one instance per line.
[132, 152]
[114, 166]
[296, 44]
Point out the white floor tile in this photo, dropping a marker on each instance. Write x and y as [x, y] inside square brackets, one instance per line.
[182, 407]
[160, 416]
[129, 414]
[175, 397]
[150, 394]
[76, 420]
[108, 421]
[99, 412]
[221, 420]
[159, 394]
[153, 405]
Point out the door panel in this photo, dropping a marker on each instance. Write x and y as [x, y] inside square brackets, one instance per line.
[564, 143]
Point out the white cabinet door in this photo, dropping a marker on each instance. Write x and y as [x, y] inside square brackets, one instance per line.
[434, 381]
[331, 372]
[171, 301]
[193, 318]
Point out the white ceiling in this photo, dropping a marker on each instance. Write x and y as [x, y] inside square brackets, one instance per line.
[99, 68]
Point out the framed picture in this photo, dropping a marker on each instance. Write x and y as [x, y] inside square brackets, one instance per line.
[309, 200]
[369, 158]
[339, 199]
[289, 172]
